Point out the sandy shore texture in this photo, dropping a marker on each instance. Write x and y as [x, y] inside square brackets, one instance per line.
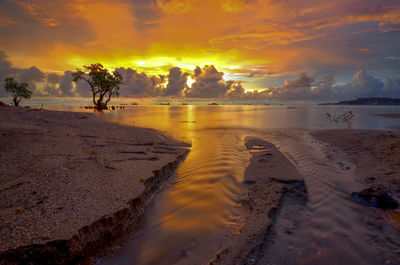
[376, 155]
[71, 182]
[272, 179]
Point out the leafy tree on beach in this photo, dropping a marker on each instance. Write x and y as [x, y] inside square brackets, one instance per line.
[103, 84]
[17, 91]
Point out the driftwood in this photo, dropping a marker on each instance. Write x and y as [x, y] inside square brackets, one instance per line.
[340, 115]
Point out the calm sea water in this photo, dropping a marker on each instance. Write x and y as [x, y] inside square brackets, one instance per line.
[180, 120]
[196, 213]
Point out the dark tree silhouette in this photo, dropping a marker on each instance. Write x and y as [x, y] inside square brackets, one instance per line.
[17, 91]
[103, 83]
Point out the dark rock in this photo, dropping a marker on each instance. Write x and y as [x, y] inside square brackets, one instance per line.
[375, 198]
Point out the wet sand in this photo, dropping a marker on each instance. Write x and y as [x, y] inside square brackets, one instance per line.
[326, 228]
[71, 182]
[375, 154]
[272, 179]
[296, 207]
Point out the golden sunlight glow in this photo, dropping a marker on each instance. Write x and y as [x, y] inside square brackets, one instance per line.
[243, 39]
[161, 65]
[190, 81]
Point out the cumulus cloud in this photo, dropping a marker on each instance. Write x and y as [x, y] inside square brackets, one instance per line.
[32, 76]
[293, 90]
[140, 84]
[177, 82]
[236, 90]
[208, 83]
[5, 70]
[306, 88]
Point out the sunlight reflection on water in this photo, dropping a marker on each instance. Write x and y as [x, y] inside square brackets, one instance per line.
[193, 212]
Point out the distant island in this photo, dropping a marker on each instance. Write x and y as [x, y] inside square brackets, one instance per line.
[368, 101]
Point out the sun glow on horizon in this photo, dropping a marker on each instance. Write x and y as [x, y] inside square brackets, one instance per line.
[255, 45]
[156, 65]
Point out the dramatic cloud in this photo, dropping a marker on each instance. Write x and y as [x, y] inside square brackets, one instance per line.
[140, 84]
[31, 75]
[177, 82]
[306, 88]
[247, 37]
[293, 90]
[208, 83]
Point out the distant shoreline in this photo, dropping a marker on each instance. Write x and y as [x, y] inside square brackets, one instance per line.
[367, 101]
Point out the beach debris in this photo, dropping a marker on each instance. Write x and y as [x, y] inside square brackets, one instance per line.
[340, 115]
[371, 197]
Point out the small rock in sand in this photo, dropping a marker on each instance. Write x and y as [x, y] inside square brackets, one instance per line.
[375, 198]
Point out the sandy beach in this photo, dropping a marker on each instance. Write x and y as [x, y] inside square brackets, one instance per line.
[375, 154]
[71, 182]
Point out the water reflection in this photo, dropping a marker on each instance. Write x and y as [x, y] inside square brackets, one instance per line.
[182, 120]
[190, 217]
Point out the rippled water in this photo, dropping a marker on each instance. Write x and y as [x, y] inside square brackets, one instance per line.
[331, 229]
[196, 211]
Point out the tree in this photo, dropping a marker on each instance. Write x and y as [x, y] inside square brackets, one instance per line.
[103, 84]
[17, 91]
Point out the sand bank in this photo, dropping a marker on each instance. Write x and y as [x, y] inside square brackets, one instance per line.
[376, 155]
[71, 182]
[272, 178]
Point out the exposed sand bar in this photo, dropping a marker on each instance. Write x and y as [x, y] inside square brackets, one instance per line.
[284, 220]
[71, 182]
[272, 179]
[376, 155]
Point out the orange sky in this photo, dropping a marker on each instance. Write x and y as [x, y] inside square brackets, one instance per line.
[249, 40]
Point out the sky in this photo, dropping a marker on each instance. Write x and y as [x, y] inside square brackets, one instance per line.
[272, 50]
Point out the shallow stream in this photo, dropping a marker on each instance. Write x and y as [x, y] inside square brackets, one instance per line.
[197, 211]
